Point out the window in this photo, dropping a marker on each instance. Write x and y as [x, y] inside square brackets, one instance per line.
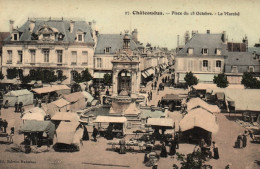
[218, 51]
[10, 56]
[205, 63]
[218, 63]
[85, 57]
[59, 56]
[190, 51]
[32, 56]
[107, 50]
[73, 57]
[251, 69]
[15, 36]
[46, 36]
[204, 51]
[46, 54]
[20, 57]
[99, 62]
[80, 39]
[234, 69]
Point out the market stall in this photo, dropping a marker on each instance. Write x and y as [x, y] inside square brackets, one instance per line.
[24, 96]
[117, 125]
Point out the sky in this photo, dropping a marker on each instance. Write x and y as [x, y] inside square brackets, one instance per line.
[159, 30]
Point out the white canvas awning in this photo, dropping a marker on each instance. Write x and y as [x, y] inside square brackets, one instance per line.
[65, 116]
[109, 119]
[163, 122]
[197, 102]
[199, 118]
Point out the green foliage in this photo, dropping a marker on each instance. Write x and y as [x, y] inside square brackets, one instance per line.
[193, 160]
[249, 81]
[26, 79]
[221, 80]
[12, 73]
[190, 79]
[1, 75]
[83, 77]
[108, 79]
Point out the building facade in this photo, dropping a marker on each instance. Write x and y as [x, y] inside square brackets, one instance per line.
[203, 55]
[60, 45]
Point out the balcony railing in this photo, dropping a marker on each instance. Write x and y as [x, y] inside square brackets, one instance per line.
[9, 62]
[73, 63]
[19, 62]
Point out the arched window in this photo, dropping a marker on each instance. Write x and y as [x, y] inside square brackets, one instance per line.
[124, 82]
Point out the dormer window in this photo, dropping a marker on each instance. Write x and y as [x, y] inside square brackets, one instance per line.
[190, 51]
[46, 36]
[205, 51]
[107, 49]
[15, 36]
[218, 51]
[80, 38]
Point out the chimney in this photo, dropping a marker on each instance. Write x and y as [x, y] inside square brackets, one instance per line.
[72, 23]
[193, 33]
[11, 26]
[208, 31]
[32, 25]
[135, 35]
[187, 36]
[224, 36]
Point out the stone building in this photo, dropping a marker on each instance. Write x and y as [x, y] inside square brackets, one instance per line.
[64, 46]
[203, 55]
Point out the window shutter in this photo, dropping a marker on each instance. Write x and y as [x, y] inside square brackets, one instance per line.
[201, 64]
[209, 65]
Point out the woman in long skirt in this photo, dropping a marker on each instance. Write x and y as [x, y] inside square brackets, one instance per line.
[163, 151]
[215, 150]
[172, 148]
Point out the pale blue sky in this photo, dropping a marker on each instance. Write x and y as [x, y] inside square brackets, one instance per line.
[159, 30]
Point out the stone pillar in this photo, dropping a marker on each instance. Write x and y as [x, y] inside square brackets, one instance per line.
[133, 82]
[138, 81]
[114, 89]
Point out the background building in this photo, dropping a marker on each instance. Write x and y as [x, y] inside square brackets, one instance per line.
[64, 46]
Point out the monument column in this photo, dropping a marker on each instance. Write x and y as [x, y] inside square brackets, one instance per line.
[114, 89]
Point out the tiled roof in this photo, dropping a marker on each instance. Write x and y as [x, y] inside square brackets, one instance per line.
[254, 49]
[114, 41]
[3, 36]
[200, 41]
[61, 25]
[240, 58]
[236, 47]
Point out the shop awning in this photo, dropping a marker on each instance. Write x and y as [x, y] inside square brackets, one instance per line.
[150, 71]
[144, 74]
[99, 75]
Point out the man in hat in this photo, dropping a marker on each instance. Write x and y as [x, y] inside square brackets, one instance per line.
[94, 134]
[16, 107]
[5, 124]
[215, 150]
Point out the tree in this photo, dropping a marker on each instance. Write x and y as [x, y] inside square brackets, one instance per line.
[26, 79]
[108, 79]
[86, 76]
[12, 73]
[193, 160]
[221, 80]
[190, 79]
[1, 75]
[249, 81]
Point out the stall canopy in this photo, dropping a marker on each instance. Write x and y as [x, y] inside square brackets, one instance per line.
[35, 113]
[60, 105]
[33, 126]
[109, 119]
[161, 122]
[197, 102]
[60, 89]
[14, 96]
[65, 116]
[150, 71]
[77, 101]
[210, 87]
[88, 96]
[199, 118]
[170, 97]
[69, 133]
